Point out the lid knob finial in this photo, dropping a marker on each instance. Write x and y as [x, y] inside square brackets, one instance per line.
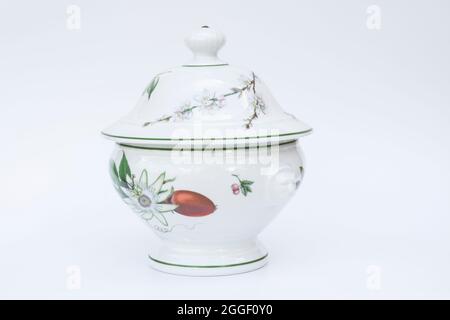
[204, 44]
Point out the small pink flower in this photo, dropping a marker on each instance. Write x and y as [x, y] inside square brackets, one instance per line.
[235, 188]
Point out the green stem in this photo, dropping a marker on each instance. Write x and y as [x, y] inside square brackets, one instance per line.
[231, 93]
[170, 117]
[235, 175]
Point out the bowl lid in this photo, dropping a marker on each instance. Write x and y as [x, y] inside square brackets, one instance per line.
[206, 99]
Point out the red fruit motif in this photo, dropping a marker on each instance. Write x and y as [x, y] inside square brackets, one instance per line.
[235, 188]
[192, 204]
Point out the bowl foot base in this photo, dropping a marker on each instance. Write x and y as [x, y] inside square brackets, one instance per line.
[209, 260]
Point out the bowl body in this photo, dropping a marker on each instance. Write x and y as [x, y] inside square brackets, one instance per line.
[207, 206]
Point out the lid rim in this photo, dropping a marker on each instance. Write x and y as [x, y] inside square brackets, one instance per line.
[206, 138]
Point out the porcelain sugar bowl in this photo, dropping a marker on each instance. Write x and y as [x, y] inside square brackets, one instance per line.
[207, 159]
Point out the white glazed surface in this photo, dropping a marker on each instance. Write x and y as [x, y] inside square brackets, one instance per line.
[228, 235]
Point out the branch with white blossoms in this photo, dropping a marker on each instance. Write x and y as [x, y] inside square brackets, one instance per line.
[258, 108]
[206, 101]
[258, 105]
[249, 85]
[210, 101]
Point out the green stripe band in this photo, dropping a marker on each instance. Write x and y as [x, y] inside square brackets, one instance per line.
[207, 267]
[204, 149]
[213, 139]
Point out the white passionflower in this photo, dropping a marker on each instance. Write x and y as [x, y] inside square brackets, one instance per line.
[149, 200]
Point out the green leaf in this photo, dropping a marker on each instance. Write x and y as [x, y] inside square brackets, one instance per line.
[115, 177]
[151, 87]
[115, 174]
[124, 169]
[247, 182]
[245, 189]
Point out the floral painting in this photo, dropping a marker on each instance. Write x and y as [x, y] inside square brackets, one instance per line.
[211, 101]
[242, 186]
[154, 199]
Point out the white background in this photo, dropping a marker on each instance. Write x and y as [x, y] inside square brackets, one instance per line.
[371, 219]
